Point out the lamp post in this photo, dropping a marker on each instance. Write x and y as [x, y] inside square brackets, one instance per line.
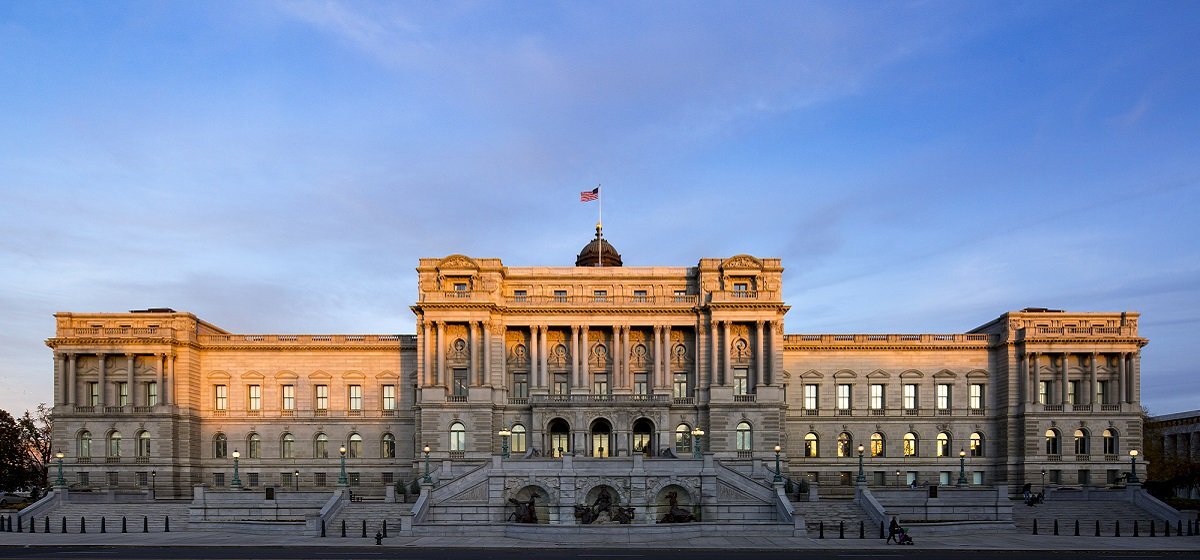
[1133, 479]
[59, 481]
[697, 433]
[342, 475]
[296, 481]
[962, 468]
[897, 479]
[778, 473]
[504, 433]
[1043, 479]
[426, 480]
[153, 482]
[236, 482]
[862, 477]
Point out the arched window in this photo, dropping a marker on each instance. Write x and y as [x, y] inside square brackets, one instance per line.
[143, 444]
[744, 437]
[1052, 442]
[85, 445]
[388, 446]
[812, 445]
[683, 439]
[114, 444]
[844, 443]
[976, 444]
[877, 444]
[911, 445]
[458, 437]
[354, 447]
[220, 446]
[518, 438]
[253, 446]
[321, 446]
[287, 446]
[1081, 442]
[943, 444]
[1110, 442]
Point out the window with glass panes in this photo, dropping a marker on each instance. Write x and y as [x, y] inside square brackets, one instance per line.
[254, 397]
[122, 393]
[288, 396]
[877, 396]
[976, 402]
[1043, 391]
[518, 439]
[680, 386]
[389, 397]
[152, 393]
[520, 386]
[220, 397]
[810, 396]
[910, 396]
[1102, 392]
[639, 384]
[943, 396]
[322, 397]
[93, 393]
[560, 384]
[600, 384]
[843, 396]
[460, 382]
[356, 397]
[741, 382]
[1072, 391]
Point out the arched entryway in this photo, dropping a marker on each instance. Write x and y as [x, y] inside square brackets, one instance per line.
[560, 437]
[643, 436]
[601, 431]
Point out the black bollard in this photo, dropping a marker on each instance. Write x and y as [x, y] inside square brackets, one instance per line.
[1035, 525]
[841, 529]
[64, 525]
[1135, 528]
[123, 530]
[1152, 528]
[1076, 527]
[378, 538]
[343, 527]
[82, 524]
[821, 528]
[861, 527]
[1178, 527]
[167, 524]
[322, 527]
[882, 535]
[102, 528]
[1117, 528]
[1097, 527]
[364, 529]
[20, 529]
[385, 528]
[46, 527]
[145, 524]
[33, 525]
[1056, 527]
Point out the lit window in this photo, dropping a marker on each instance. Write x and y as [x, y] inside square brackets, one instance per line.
[844, 442]
[1081, 442]
[458, 437]
[1052, 447]
[910, 396]
[910, 445]
[518, 438]
[1110, 442]
[877, 444]
[943, 444]
[354, 446]
[811, 445]
[976, 443]
[976, 396]
[810, 397]
[388, 448]
[943, 396]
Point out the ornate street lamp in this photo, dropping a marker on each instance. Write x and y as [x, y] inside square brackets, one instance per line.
[1043, 479]
[296, 481]
[426, 480]
[897, 479]
[342, 476]
[237, 482]
[153, 482]
[962, 468]
[1133, 453]
[862, 477]
[60, 481]
[504, 433]
[697, 433]
[778, 473]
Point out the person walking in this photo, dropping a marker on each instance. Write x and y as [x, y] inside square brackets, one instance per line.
[893, 528]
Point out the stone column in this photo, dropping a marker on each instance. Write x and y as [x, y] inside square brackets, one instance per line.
[623, 347]
[758, 356]
[1131, 385]
[726, 346]
[696, 381]
[1066, 364]
[543, 347]
[667, 375]
[130, 363]
[1037, 377]
[574, 357]
[1121, 378]
[485, 377]
[170, 381]
[158, 388]
[656, 354]
[104, 382]
[533, 356]
[60, 367]
[473, 353]
[72, 383]
[439, 371]
[584, 354]
[502, 332]
[1091, 385]
[714, 375]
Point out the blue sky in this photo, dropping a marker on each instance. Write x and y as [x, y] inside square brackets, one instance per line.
[919, 167]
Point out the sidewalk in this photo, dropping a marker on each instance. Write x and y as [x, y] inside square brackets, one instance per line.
[992, 541]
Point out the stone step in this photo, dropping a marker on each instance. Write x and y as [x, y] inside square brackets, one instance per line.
[1109, 513]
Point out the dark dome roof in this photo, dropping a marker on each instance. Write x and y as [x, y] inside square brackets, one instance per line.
[598, 253]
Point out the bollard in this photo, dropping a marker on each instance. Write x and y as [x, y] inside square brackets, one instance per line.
[1056, 527]
[1135, 528]
[1117, 528]
[821, 528]
[322, 527]
[364, 532]
[385, 528]
[861, 533]
[82, 524]
[378, 538]
[102, 527]
[20, 529]
[343, 527]
[123, 524]
[882, 534]
[46, 527]
[1097, 527]
[1035, 525]
[1166, 528]
[145, 524]
[1076, 527]
[1152, 528]
[33, 525]
[64, 525]
[1178, 527]
[167, 524]
[841, 529]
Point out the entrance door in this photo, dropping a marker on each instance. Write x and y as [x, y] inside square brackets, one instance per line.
[601, 438]
[560, 437]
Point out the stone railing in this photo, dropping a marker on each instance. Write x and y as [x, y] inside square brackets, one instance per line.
[810, 340]
[305, 339]
[128, 332]
[1078, 331]
[598, 398]
[686, 300]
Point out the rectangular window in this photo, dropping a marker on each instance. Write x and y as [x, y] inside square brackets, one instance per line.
[741, 381]
[810, 397]
[322, 397]
[93, 393]
[460, 382]
[741, 289]
[843, 396]
[639, 384]
[152, 393]
[877, 397]
[944, 478]
[252, 478]
[287, 479]
[600, 384]
[1043, 391]
[319, 479]
[122, 393]
[220, 397]
[600, 295]
[520, 386]
[83, 478]
[460, 286]
[355, 478]
[1101, 392]
[910, 396]
[1072, 391]
[254, 397]
[387, 477]
[681, 386]
[560, 384]
[943, 396]
[680, 296]
[639, 296]
[389, 397]
[520, 296]
[289, 397]
[219, 479]
[560, 296]
[977, 478]
[976, 396]
[356, 397]
[143, 478]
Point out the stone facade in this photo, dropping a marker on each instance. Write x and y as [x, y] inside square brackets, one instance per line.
[598, 361]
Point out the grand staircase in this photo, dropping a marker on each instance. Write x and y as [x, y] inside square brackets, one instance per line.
[832, 512]
[155, 515]
[1108, 513]
[374, 513]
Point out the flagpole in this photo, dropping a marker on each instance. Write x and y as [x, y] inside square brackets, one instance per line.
[600, 226]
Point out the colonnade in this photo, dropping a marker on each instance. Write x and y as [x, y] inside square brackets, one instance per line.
[1057, 393]
[68, 366]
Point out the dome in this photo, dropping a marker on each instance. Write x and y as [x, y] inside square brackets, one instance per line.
[598, 253]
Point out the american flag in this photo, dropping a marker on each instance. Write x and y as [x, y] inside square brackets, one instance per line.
[588, 196]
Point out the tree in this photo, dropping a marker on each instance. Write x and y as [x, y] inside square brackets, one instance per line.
[36, 436]
[14, 456]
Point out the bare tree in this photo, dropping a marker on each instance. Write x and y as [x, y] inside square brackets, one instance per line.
[36, 430]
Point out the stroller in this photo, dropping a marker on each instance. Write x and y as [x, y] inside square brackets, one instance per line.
[902, 536]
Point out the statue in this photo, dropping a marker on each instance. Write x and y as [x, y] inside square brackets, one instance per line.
[603, 501]
[525, 512]
[603, 512]
[584, 514]
[676, 514]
